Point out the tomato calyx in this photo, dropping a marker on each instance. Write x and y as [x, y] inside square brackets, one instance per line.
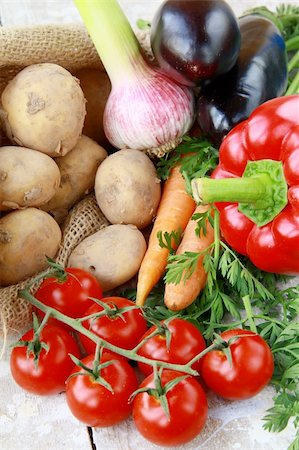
[56, 270]
[110, 310]
[161, 329]
[131, 354]
[224, 346]
[159, 392]
[95, 371]
[35, 345]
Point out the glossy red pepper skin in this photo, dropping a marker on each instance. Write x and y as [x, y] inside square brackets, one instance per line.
[271, 132]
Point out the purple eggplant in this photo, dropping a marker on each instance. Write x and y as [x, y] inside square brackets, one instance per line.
[194, 40]
[259, 74]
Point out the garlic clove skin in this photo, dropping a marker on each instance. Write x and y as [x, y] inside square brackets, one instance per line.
[149, 112]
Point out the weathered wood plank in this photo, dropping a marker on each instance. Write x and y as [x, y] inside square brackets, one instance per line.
[30, 422]
[230, 425]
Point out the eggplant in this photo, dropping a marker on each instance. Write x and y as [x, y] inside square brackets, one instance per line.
[194, 40]
[259, 74]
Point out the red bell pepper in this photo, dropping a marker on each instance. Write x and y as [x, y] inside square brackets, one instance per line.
[259, 172]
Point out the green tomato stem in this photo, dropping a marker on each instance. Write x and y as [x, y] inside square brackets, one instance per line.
[43, 323]
[130, 354]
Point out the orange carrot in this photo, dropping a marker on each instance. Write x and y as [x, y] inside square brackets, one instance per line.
[175, 209]
[179, 296]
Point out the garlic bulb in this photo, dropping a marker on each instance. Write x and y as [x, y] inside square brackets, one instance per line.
[145, 110]
[149, 113]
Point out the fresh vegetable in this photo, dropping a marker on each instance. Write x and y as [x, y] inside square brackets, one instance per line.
[28, 178]
[175, 209]
[27, 236]
[96, 87]
[44, 109]
[185, 415]
[180, 293]
[115, 319]
[195, 40]
[101, 344]
[78, 170]
[145, 110]
[113, 254]
[263, 151]
[282, 339]
[241, 370]
[259, 74]
[40, 361]
[98, 392]
[127, 188]
[175, 340]
[72, 292]
[238, 290]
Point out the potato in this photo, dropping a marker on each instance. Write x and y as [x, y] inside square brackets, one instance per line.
[27, 178]
[127, 188]
[96, 87]
[27, 236]
[78, 170]
[113, 255]
[44, 109]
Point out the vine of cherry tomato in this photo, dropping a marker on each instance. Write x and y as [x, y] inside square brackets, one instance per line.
[71, 297]
[250, 369]
[188, 409]
[186, 342]
[121, 329]
[49, 374]
[105, 392]
[92, 402]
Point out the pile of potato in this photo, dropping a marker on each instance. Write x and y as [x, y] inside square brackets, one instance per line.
[50, 164]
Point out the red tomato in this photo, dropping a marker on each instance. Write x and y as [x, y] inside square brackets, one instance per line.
[252, 366]
[95, 405]
[54, 365]
[72, 296]
[188, 411]
[123, 331]
[186, 342]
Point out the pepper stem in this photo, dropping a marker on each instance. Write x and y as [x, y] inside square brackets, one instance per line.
[245, 190]
[261, 192]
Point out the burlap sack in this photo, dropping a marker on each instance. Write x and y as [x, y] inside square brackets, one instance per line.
[70, 47]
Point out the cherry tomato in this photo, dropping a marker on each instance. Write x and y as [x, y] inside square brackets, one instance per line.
[94, 404]
[123, 330]
[70, 297]
[252, 366]
[188, 410]
[186, 342]
[54, 365]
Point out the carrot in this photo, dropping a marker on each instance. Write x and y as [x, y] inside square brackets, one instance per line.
[175, 209]
[179, 296]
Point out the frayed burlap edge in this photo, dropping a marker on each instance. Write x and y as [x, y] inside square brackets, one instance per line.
[67, 45]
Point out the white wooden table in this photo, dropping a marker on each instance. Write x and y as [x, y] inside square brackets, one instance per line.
[28, 422]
